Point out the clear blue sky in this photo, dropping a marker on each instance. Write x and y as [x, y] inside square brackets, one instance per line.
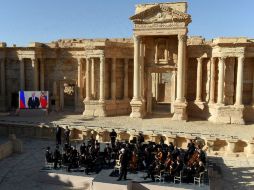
[24, 21]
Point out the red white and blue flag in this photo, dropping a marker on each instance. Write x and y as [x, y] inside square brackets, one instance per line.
[22, 100]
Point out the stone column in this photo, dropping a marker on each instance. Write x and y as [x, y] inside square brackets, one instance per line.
[199, 80]
[136, 103]
[42, 73]
[156, 53]
[100, 109]
[180, 68]
[80, 78]
[136, 76]
[180, 104]
[93, 78]
[35, 73]
[212, 88]
[79, 88]
[22, 74]
[2, 74]
[113, 79]
[220, 99]
[149, 92]
[142, 69]
[102, 79]
[173, 91]
[239, 83]
[126, 75]
[88, 90]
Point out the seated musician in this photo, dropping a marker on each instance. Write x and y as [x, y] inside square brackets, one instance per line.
[107, 154]
[171, 147]
[178, 166]
[159, 155]
[66, 158]
[198, 169]
[168, 162]
[57, 157]
[152, 170]
[82, 148]
[191, 147]
[175, 153]
[48, 155]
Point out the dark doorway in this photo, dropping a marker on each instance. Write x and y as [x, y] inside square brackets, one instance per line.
[14, 100]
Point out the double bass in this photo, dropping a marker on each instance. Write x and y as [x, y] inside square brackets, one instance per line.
[133, 162]
[193, 159]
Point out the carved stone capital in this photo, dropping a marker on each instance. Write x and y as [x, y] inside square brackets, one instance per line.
[222, 59]
[136, 39]
[241, 58]
[199, 59]
[182, 38]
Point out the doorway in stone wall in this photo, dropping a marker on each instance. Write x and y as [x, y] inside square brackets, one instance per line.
[67, 98]
[14, 100]
[163, 94]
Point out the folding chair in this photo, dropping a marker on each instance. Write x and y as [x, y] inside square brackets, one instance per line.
[160, 177]
[178, 178]
[199, 179]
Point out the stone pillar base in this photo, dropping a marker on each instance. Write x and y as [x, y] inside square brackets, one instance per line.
[137, 109]
[180, 111]
[94, 108]
[100, 110]
[227, 114]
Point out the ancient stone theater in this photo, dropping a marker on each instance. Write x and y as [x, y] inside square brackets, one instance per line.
[160, 69]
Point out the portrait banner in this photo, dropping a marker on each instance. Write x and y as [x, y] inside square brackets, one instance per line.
[33, 99]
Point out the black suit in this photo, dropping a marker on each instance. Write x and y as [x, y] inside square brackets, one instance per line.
[58, 135]
[124, 165]
[33, 102]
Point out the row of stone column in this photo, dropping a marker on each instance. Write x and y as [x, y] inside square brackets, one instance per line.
[90, 78]
[38, 71]
[138, 77]
[221, 80]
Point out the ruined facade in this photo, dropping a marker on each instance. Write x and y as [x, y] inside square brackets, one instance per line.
[161, 69]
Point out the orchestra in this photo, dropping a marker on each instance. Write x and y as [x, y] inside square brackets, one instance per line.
[133, 156]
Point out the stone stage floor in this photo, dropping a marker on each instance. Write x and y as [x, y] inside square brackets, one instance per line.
[23, 171]
[157, 123]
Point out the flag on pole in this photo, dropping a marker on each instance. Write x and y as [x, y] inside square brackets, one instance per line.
[22, 100]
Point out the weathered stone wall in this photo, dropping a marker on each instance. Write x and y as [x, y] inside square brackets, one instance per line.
[230, 81]
[119, 79]
[29, 82]
[13, 145]
[248, 80]
[191, 79]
